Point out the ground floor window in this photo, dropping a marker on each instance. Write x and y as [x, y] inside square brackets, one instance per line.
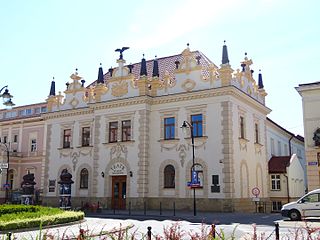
[276, 206]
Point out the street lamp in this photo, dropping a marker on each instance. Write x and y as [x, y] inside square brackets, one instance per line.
[6, 185]
[6, 96]
[184, 127]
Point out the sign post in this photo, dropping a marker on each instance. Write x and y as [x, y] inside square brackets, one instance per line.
[256, 192]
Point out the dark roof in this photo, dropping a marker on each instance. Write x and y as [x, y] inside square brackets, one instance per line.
[166, 66]
[306, 84]
[300, 138]
[278, 164]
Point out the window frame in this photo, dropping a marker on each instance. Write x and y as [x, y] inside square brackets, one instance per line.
[125, 131]
[275, 182]
[113, 131]
[169, 175]
[242, 127]
[85, 136]
[66, 141]
[197, 125]
[169, 128]
[33, 145]
[256, 133]
[84, 178]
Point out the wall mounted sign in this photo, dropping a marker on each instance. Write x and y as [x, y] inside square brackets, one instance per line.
[118, 169]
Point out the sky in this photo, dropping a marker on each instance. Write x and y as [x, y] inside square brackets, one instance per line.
[40, 40]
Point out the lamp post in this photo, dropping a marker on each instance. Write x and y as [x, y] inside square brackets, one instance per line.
[6, 96]
[6, 185]
[184, 127]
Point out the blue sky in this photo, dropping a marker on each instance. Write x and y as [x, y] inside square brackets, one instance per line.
[42, 39]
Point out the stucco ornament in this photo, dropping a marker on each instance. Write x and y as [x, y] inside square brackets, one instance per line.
[316, 137]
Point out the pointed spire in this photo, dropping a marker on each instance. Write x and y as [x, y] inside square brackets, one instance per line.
[155, 72]
[53, 88]
[260, 82]
[143, 70]
[225, 58]
[100, 75]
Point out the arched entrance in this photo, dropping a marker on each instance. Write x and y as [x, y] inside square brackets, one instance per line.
[118, 173]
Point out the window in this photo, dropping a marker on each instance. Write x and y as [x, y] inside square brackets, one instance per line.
[196, 122]
[28, 111]
[52, 185]
[275, 182]
[311, 198]
[15, 138]
[169, 177]
[272, 146]
[256, 133]
[22, 112]
[85, 136]
[5, 139]
[215, 183]
[242, 127]
[113, 132]
[126, 130]
[37, 110]
[276, 206]
[66, 138]
[279, 149]
[84, 174]
[169, 128]
[43, 109]
[33, 145]
[286, 150]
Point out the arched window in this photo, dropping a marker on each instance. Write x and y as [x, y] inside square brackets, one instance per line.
[169, 176]
[84, 176]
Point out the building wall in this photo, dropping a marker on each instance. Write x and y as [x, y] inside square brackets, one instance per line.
[310, 94]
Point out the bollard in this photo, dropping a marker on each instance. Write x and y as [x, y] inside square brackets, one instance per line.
[149, 233]
[9, 235]
[277, 231]
[174, 208]
[145, 208]
[160, 209]
[213, 231]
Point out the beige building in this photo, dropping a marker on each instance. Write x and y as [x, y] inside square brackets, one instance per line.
[121, 140]
[310, 94]
[22, 131]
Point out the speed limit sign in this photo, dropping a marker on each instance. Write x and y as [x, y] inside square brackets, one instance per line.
[255, 191]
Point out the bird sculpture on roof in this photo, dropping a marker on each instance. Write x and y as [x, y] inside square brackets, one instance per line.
[121, 51]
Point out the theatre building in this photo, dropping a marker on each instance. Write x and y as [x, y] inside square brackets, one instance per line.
[120, 137]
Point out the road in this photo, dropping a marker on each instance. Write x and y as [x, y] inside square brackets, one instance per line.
[238, 225]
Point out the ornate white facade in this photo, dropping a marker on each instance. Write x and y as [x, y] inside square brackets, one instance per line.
[225, 107]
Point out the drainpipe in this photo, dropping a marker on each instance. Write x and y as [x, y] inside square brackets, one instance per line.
[290, 150]
[288, 195]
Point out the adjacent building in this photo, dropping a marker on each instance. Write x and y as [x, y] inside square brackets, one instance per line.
[310, 94]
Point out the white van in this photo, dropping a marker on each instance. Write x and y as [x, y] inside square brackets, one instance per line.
[306, 206]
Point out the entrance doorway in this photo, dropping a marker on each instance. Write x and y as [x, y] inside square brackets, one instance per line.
[119, 189]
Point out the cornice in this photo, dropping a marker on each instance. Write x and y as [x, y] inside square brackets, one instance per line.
[67, 113]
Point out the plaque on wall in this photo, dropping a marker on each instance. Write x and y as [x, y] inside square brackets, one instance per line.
[118, 169]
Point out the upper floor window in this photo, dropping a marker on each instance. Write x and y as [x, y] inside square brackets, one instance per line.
[279, 149]
[113, 132]
[196, 122]
[43, 109]
[33, 145]
[85, 139]
[126, 130]
[242, 127]
[169, 176]
[256, 133]
[272, 146]
[5, 139]
[169, 128]
[15, 138]
[275, 182]
[66, 138]
[84, 177]
[28, 111]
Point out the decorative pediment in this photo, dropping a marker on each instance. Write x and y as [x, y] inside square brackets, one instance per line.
[119, 89]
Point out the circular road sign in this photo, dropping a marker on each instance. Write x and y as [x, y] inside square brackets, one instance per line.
[255, 191]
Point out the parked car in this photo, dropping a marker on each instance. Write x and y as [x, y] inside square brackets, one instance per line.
[306, 206]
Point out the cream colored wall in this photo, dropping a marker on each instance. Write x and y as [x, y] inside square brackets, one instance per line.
[296, 178]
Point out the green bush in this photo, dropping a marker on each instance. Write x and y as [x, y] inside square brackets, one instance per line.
[17, 217]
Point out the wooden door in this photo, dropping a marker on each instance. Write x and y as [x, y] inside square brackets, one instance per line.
[119, 191]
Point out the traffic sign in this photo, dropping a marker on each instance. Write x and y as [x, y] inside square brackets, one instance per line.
[4, 165]
[255, 191]
[6, 186]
